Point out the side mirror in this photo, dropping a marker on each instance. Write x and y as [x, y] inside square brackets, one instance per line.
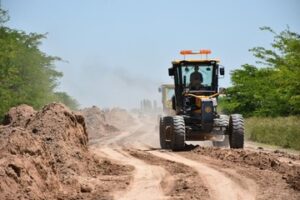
[159, 89]
[222, 71]
[222, 90]
[171, 72]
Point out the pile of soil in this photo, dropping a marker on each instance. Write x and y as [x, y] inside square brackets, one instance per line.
[261, 160]
[119, 118]
[44, 155]
[97, 125]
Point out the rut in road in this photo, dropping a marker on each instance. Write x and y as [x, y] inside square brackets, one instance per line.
[146, 178]
[146, 183]
[220, 186]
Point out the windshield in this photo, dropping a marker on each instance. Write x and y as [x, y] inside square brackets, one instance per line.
[197, 77]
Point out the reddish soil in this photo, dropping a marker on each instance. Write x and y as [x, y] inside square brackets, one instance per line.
[44, 155]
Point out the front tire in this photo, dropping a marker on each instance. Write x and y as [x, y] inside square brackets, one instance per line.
[236, 131]
[178, 134]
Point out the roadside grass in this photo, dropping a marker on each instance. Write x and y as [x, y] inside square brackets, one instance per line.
[280, 131]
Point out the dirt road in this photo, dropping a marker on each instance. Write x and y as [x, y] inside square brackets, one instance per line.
[203, 173]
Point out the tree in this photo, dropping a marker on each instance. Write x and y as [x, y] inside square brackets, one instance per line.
[27, 75]
[271, 89]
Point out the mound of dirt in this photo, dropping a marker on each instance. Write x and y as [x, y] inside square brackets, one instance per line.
[119, 118]
[44, 155]
[96, 123]
[261, 160]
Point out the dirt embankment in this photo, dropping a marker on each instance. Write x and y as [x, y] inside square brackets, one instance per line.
[44, 155]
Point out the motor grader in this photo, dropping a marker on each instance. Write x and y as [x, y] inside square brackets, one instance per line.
[194, 103]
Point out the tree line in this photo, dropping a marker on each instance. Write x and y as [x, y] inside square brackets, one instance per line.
[272, 86]
[27, 75]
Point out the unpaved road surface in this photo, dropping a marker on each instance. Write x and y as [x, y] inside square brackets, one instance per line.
[201, 172]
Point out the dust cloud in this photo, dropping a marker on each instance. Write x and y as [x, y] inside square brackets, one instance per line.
[109, 86]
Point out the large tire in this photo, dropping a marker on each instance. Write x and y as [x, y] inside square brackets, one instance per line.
[178, 134]
[236, 131]
[162, 134]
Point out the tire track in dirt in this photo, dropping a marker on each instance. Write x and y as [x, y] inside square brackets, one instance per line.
[146, 178]
[146, 181]
[186, 183]
[220, 186]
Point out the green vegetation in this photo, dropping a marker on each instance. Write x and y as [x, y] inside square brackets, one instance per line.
[273, 87]
[27, 75]
[269, 94]
[280, 131]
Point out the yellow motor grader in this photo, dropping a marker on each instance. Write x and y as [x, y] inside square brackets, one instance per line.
[194, 106]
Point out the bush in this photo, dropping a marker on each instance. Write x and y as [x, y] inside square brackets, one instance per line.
[281, 131]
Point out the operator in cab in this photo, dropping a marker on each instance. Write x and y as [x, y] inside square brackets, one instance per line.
[196, 79]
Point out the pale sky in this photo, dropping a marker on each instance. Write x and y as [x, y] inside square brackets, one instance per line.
[118, 51]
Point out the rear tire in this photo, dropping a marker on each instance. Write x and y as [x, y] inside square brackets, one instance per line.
[178, 134]
[162, 134]
[236, 131]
